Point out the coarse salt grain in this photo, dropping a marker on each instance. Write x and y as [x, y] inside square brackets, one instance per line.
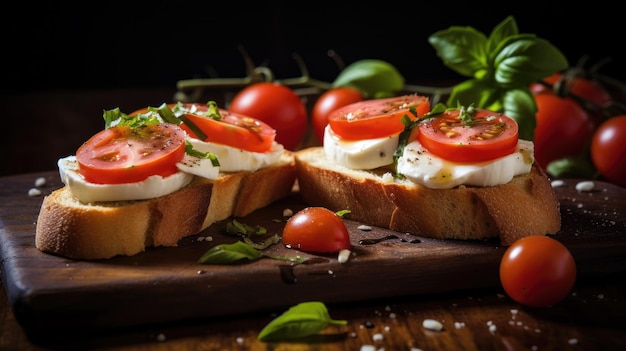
[557, 183]
[34, 192]
[364, 227]
[432, 324]
[287, 212]
[344, 255]
[572, 341]
[39, 182]
[585, 186]
[378, 337]
[367, 348]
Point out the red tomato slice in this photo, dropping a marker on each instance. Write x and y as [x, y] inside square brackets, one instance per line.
[124, 155]
[490, 136]
[376, 118]
[233, 129]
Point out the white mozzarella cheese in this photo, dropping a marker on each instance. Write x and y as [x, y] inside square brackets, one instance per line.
[422, 167]
[235, 160]
[361, 154]
[87, 192]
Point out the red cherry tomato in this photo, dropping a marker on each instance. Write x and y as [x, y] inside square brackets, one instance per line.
[608, 149]
[316, 229]
[125, 155]
[276, 105]
[537, 271]
[377, 118]
[490, 135]
[563, 128]
[329, 101]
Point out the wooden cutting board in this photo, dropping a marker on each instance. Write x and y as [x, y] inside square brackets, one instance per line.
[54, 294]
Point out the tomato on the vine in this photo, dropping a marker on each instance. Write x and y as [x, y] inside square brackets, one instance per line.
[580, 86]
[277, 105]
[122, 154]
[608, 149]
[563, 128]
[453, 137]
[537, 271]
[377, 118]
[316, 229]
[329, 101]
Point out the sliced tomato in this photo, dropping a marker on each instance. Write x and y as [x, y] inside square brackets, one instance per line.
[232, 129]
[488, 136]
[377, 118]
[124, 155]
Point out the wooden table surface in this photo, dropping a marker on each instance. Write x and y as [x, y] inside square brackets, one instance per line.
[593, 317]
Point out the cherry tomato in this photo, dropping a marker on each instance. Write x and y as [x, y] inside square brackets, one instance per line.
[329, 101]
[232, 129]
[316, 229]
[491, 135]
[563, 128]
[276, 105]
[608, 149]
[124, 155]
[537, 271]
[376, 118]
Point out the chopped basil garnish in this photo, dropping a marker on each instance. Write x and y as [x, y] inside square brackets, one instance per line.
[199, 154]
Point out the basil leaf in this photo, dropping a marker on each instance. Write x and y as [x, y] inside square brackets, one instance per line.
[462, 49]
[304, 319]
[373, 78]
[572, 167]
[230, 253]
[523, 59]
[520, 105]
[505, 29]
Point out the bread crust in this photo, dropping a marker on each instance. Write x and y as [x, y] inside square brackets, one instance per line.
[66, 227]
[525, 206]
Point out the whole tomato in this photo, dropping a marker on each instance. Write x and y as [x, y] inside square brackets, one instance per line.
[316, 229]
[563, 129]
[329, 101]
[608, 149]
[276, 105]
[537, 271]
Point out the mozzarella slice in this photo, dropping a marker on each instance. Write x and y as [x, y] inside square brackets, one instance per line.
[235, 160]
[422, 167]
[360, 154]
[87, 192]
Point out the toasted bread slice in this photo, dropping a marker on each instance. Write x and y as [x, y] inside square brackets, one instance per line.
[525, 206]
[69, 228]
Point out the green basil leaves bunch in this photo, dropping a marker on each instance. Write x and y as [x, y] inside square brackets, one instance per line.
[501, 68]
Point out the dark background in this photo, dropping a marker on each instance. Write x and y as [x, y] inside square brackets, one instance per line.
[114, 44]
[64, 63]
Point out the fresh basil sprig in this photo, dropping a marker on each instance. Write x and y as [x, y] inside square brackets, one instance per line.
[301, 320]
[501, 67]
